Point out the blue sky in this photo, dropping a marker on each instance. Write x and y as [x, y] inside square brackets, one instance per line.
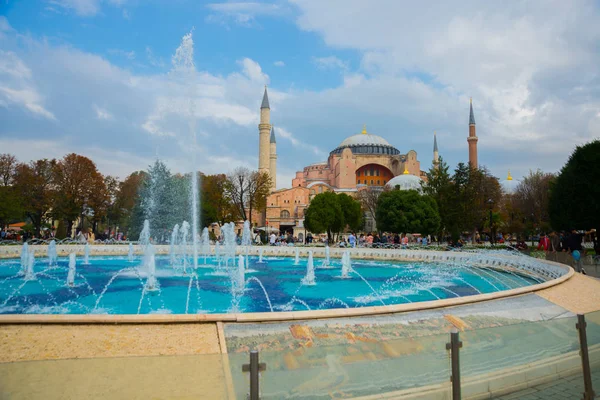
[96, 77]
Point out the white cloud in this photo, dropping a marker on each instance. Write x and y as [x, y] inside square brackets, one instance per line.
[17, 87]
[242, 13]
[102, 114]
[84, 8]
[284, 133]
[253, 71]
[130, 55]
[330, 62]
[279, 64]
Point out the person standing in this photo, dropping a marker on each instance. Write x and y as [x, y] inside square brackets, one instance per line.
[576, 251]
[272, 239]
[554, 246]
[352, 240]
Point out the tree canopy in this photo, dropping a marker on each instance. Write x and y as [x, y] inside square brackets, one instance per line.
[332, 213]
[575, 196]
[407, 211]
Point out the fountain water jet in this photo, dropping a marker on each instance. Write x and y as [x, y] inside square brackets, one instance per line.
[72, 270]
[86, 254]
[150, 265]
[346, 265]
[24, 259]
[173, 245]
[130, 253]
[309, 279]
[52, 254]
[297, 259]
[29, 274]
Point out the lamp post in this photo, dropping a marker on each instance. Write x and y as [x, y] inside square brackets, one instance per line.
[491, 204]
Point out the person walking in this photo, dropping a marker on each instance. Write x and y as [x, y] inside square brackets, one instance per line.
[352, 240]
[554, 247]
[576, 251]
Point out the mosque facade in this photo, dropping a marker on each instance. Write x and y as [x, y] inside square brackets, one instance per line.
[362, 160]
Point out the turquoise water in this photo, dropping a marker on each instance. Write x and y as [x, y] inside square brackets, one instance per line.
[208, 289]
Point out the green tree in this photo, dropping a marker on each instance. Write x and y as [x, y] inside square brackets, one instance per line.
[441, 188]
[128, 201]
[247, 191]
[216, 206]
[351, 209]
[11, 204]
[533, 196]
[407, 211]
[575, 196]
[324, 214]
[34, 184]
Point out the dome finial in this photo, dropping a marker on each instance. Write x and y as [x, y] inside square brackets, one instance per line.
[364, 131]
[509, 177]
[406, 170]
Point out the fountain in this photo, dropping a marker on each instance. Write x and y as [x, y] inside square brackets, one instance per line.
[173, 245]
[150, 265]
[240, 277]
[52, 254]
[86, 254]
[29, 274]
[327, 257]
[229, 243]
[205, 244]
[24, 258]
[346, 265]
[183, 242]
[297, 259]
[309, 279]
[71, 273]
[130, 253]
[260, 255]
[145, 234]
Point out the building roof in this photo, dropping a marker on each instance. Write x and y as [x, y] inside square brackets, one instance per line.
[265, 100]
[471, 116]
[273, 134]
[364, 139]
[509, 185]
[405, 182]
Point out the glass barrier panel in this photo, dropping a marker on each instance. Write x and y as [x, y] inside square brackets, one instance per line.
[188, 376]
[593, 336]
[364, 368]
[534, 358]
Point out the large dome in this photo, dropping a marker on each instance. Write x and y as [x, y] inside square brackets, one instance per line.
[364, 139]
[405, 182]
[366, 143]
[509, 185]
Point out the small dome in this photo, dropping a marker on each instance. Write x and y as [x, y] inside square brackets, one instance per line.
[509, 185]
[405, 182]
[364, 139]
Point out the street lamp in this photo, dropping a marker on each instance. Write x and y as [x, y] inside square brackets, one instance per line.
[491, 204]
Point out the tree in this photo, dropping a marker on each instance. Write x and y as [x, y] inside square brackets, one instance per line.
[407, 211]
[324, 214]
[533, 196]
[575, 195]
[76, 179]
[128, 196]
[368, 197]
[247, 190]
[441, 188]
[34, 184]
[11, 206]
[8, 166]
[351, 210]
[216, 206]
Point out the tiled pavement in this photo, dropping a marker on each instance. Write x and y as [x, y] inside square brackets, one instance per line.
[568, 388]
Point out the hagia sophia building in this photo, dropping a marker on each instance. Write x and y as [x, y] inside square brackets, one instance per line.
[363, 160]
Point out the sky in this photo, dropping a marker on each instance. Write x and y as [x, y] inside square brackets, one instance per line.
[105, 79]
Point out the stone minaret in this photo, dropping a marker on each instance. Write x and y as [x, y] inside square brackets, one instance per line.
[273, 160]
[264, 131]
[436, 156]
[472, 139]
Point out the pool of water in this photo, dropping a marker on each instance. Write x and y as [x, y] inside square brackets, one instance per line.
[114, 285]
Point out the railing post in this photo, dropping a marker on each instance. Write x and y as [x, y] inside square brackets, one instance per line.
[454, 346]
[254, 368]
[588, 394]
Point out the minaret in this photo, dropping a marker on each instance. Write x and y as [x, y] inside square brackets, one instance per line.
[436, 156]
[264, 130]
[273, 160]
[472, 139]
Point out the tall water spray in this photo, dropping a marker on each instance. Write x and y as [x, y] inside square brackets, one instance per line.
[86, 254]
[173, 245]
[24, 258]
[346, 265]
[297, 259]
[205, 244]
[145, 234]
[130, 253]
[185, 234]
[327, 255]
[309, 279]
[150, 265]
[183, 63]
[240, 277]
[72, 270]
[29, 274]
[52, 254]
[260, 255]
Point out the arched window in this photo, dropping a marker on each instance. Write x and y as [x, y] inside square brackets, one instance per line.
[284, 214]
